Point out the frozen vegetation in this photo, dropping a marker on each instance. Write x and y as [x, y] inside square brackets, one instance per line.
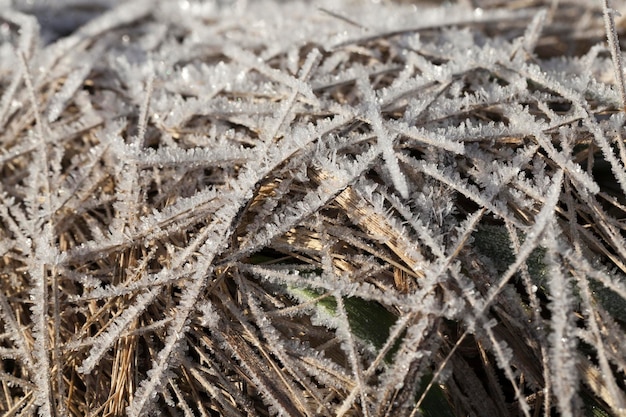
[340, 208]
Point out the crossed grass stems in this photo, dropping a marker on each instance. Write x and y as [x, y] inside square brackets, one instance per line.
[351, 215]
[341, 239]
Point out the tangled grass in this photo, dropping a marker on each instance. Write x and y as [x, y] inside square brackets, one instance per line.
[274, 208]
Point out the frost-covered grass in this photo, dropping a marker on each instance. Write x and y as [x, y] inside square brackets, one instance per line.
[249, 208]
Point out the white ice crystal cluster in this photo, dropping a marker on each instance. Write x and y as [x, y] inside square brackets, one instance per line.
[321, 208]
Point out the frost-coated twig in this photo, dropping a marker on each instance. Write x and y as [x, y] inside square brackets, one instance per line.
[616, 53]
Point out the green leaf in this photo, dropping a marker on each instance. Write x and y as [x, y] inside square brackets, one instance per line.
[371, 322]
